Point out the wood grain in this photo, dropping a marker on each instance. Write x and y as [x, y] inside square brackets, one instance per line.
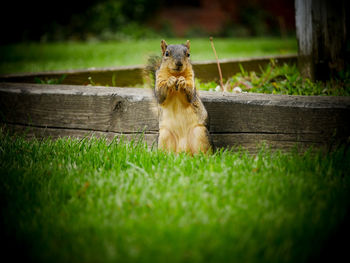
[322, 37]
[79, 107]
[32, 132]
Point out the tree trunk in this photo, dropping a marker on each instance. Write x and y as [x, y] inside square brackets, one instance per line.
[321, 35]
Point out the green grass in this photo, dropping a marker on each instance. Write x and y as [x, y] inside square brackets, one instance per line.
[97, 201]
[34, 57]
[285, 79]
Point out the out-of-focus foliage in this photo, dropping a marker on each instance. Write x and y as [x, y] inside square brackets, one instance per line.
[73, 20]
[109, 19]
[136, 19]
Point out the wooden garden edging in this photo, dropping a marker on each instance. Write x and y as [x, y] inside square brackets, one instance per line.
[132, 75]
[235, 119]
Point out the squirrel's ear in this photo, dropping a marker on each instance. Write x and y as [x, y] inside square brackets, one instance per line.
[163, 45]
[188, 45]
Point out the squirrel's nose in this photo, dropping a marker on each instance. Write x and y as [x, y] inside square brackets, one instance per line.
[179, 64]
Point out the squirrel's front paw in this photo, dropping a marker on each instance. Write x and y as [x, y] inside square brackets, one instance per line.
[181, 83]
[171, 82]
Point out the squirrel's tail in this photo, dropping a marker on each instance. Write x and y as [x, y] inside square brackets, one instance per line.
[149, 72]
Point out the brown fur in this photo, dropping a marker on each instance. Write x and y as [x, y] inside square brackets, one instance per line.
[182, 116]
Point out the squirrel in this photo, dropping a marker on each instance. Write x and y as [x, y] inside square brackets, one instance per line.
[183, 118]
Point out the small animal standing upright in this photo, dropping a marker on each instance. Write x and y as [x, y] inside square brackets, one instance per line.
[183, 119]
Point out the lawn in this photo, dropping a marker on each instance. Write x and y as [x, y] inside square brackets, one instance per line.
[74, 200]
[34, 57]
[71, 200]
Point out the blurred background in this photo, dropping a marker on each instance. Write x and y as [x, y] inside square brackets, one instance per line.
[102, 20]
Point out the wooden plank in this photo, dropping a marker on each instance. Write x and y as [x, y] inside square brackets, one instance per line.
[277, 113]
[118, 76]
[31, 132]
[131, 76]
[279, 120]
[235, 119]
[252, 142]
[79, 107]
[208, 71]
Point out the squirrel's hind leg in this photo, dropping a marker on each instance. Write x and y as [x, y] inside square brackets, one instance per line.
[198, 138]
[166, 140]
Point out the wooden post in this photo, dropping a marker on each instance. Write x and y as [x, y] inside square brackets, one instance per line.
[321, 35]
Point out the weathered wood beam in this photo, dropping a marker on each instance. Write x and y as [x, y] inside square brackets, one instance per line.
[78, 107]
[235, 119]
[208, 70]
[321, 35]
[131, 76]
[56, 133]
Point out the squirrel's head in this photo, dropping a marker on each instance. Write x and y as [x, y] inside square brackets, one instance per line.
[176, 57]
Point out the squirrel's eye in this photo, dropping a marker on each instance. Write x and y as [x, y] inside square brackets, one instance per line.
[188, 54]
[167, 54]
